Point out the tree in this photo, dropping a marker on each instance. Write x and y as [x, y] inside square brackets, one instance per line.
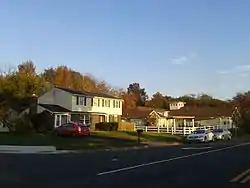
[49, 75]
[129, 101]
[157, 101]
[103, 87]
[241, 115]
[139, 93]
[24, 82]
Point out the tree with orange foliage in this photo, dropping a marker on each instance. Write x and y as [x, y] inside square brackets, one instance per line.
[129, 101]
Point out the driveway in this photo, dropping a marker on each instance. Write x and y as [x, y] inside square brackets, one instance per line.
[198, 165]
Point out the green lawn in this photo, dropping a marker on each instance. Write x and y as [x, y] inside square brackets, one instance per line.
[97, 140]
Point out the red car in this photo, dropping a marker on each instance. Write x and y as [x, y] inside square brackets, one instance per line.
[72, 129]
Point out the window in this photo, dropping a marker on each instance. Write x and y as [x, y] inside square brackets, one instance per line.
[111, 118]
[81, 101]
[199, 132]
[85, 119]
[103, 103]
[98, 102]
[101, 118]
[119, 104]
[113, 103]
[85, 101]
[116, 104]
[77, 100]
[92, 101]
[115, 118]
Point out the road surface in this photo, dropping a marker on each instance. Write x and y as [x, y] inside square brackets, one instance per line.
[224, 164]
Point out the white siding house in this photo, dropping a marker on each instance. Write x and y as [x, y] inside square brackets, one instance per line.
[66, 103]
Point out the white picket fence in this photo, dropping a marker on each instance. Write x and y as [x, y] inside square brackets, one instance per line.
[172, 130]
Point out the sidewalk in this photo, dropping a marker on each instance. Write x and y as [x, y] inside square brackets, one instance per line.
[26, 149]
[53, 150]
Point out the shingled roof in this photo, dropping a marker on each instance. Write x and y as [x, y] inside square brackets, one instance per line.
[94, 94]
[136, 113]
[202, 112]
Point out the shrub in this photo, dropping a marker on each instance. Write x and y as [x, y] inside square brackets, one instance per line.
[22, 125]
[106, 126]
[42, 122]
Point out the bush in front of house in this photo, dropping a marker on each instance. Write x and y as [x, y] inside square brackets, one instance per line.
[106, 126]
[43, 122]
[22, 125]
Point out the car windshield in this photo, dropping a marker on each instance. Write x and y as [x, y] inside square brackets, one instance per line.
[218, 131]
[199, 132]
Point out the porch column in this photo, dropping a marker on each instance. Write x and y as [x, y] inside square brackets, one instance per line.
[193, 123]
[185, 122]
[55, 119]
[167, 125]
[174, 126]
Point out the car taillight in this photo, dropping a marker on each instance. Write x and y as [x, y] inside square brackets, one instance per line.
[79, 129]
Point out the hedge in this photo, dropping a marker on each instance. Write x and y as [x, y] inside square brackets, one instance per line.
[106, 126]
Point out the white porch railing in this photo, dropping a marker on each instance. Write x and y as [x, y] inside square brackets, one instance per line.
[172, 130]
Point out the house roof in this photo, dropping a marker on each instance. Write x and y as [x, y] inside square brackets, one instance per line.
[150, 108]
[136, 113]
[94, 94]
[202, 112]
[54, 108]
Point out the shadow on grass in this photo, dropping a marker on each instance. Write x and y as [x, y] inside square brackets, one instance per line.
[85, 142]
[98, 140]
[157, 137]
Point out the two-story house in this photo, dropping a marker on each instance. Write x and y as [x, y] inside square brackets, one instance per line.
[90, 108]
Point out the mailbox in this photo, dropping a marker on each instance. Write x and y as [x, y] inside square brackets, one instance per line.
[139, 131]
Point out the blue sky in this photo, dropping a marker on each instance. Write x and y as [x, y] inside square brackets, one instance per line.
[173, 46]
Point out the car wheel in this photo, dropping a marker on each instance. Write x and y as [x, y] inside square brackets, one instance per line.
[213, 139]
[205, 139]
[222, 137]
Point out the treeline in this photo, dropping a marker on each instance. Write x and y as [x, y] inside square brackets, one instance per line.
[24, 81]
[137, 96]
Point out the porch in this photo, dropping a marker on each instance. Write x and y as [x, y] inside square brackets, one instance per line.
[175, 122]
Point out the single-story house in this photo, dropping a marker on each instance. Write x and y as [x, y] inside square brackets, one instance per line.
[206, 116]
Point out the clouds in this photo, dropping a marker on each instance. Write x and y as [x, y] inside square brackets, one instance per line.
[241, 70]
[183, 59]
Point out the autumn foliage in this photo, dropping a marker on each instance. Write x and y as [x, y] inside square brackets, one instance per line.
[24, 81]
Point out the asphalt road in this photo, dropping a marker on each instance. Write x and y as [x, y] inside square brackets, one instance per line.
[204, 165]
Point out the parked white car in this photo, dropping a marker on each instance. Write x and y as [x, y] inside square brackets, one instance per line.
[222, 134]
[201, 135]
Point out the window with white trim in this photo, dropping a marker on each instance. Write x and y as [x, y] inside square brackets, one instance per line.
[81, 101]
[117, 104]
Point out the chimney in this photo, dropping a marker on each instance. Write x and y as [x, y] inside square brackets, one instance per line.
[33, 105]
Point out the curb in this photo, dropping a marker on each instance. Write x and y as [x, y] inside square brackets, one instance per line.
[52, 149]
